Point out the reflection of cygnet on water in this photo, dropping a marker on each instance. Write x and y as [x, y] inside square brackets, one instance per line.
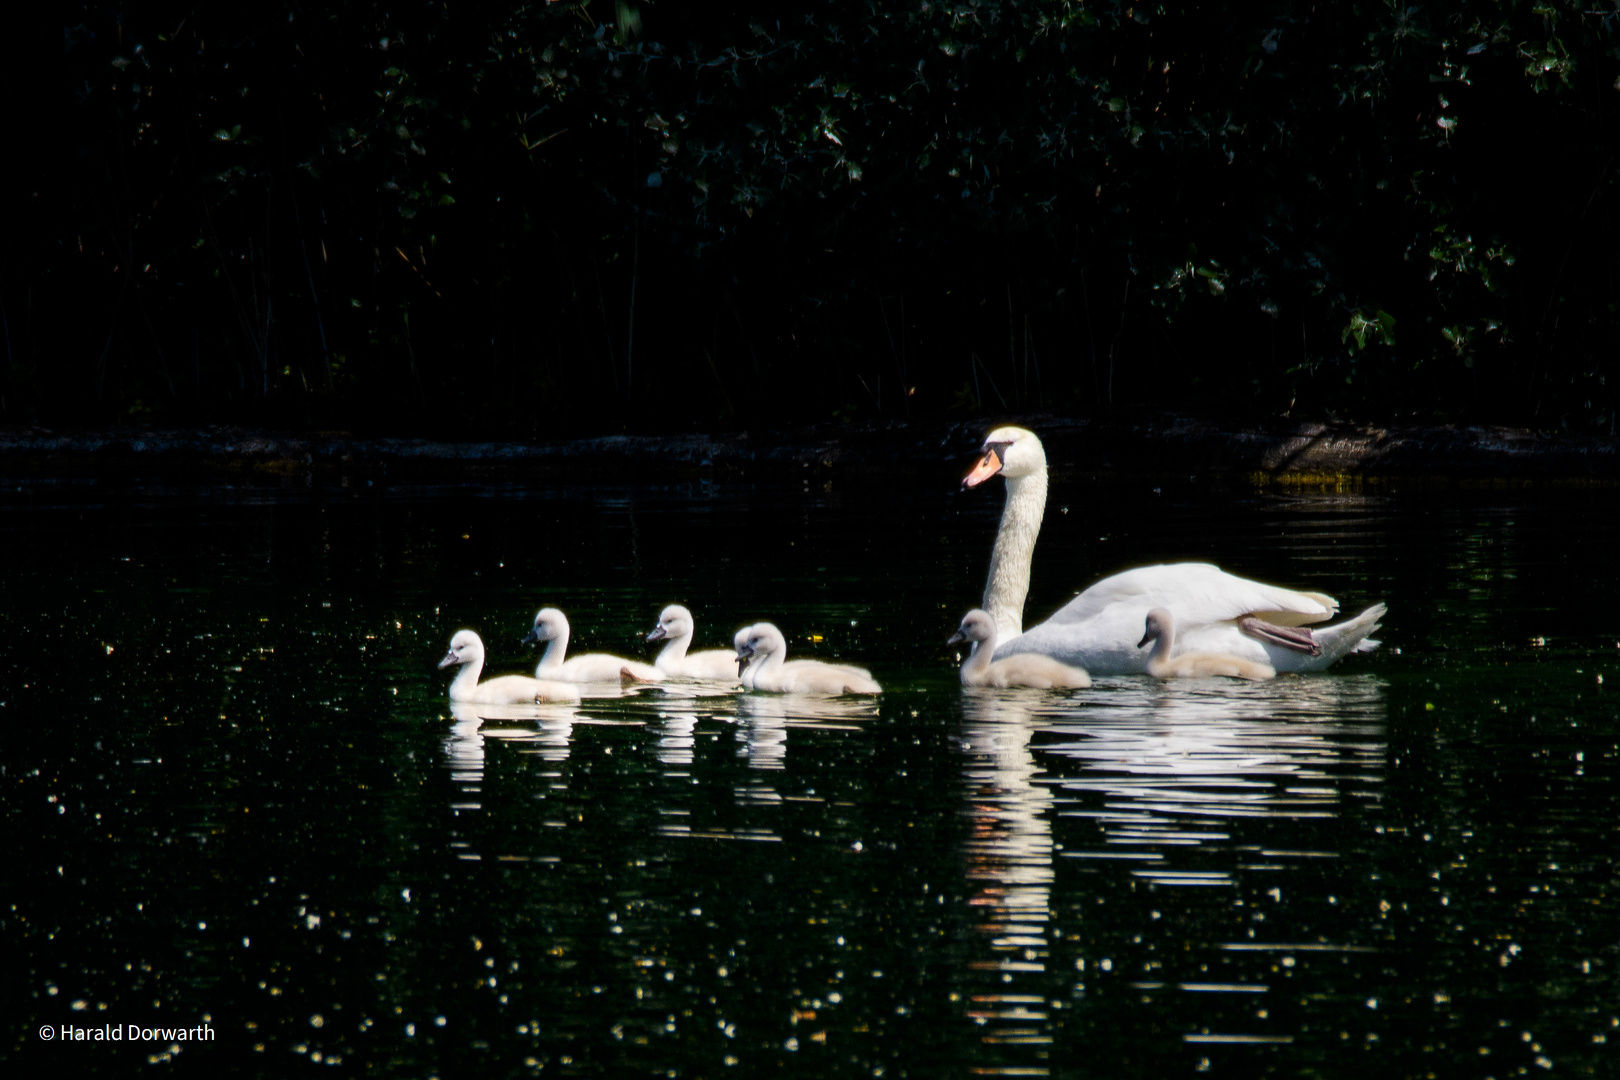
[549, 728]
[764, 722]
[464, 750]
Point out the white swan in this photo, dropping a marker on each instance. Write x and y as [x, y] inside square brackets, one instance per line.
[675, 628]
[551, 626]
[768, 669]
[467, 649]
[1026, 669]
[1161, 627]
[1098, 629]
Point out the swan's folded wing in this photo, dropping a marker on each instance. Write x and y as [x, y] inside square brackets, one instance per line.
[1196, 593]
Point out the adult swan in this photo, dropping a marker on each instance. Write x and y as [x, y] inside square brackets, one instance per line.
[1098, 630]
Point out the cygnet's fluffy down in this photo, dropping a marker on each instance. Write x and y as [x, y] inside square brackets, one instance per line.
[467, 650]
[675, 628]
[1025, 669]
[551, 626]
[766, 650]
[1161, 628]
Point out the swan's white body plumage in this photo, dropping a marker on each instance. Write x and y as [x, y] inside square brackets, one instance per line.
[1098, 629]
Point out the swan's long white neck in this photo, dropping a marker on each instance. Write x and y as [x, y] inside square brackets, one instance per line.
[467, 678]
[556, 650]
[1008, 583]
[674, 649]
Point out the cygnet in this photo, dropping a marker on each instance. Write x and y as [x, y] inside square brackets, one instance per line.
[1194, 665]
[551, 626]
[675, 628]
[467, 650]
[766, 649]
[1024, 669]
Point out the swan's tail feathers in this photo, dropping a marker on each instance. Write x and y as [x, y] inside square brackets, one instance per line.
[1352, 636]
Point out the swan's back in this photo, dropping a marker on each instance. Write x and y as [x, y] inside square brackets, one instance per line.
[815, 677]
[713, 665]
[1198, 593]
[516, 690]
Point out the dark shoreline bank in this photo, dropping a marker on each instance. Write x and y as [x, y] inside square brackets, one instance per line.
[1145, 444]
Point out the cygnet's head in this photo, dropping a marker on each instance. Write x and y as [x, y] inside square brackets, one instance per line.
[976, 625]
[1013, 452]
[1158, 626]
[674, 622]
[739, 642]
[549, 623]
[763, 639]
[465, 647]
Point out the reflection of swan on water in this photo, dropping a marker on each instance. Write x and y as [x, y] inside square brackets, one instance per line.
[548, 728]
[1008, 853]
[1239, 750]
[679, 708]
[764, 721]
[551, 626]
[1160, 631]
[464, 748]
[1098, 629]
[467, 650]
[677, 736]
[676, 627]
[768, 669]
[807, 708]
[1025, 669]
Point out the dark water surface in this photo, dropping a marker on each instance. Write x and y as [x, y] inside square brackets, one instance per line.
[235, 795]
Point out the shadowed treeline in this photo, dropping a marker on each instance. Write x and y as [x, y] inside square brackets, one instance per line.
[570, 218]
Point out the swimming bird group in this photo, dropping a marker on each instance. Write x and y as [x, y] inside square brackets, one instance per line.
[1204, 621]
[757, 661]
[1200, 621]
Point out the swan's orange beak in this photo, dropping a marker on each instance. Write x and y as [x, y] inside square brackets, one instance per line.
[987, 467]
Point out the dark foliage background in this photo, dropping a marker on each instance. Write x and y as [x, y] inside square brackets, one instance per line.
[519, 219]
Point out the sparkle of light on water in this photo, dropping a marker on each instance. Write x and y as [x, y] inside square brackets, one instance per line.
[238, 796]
